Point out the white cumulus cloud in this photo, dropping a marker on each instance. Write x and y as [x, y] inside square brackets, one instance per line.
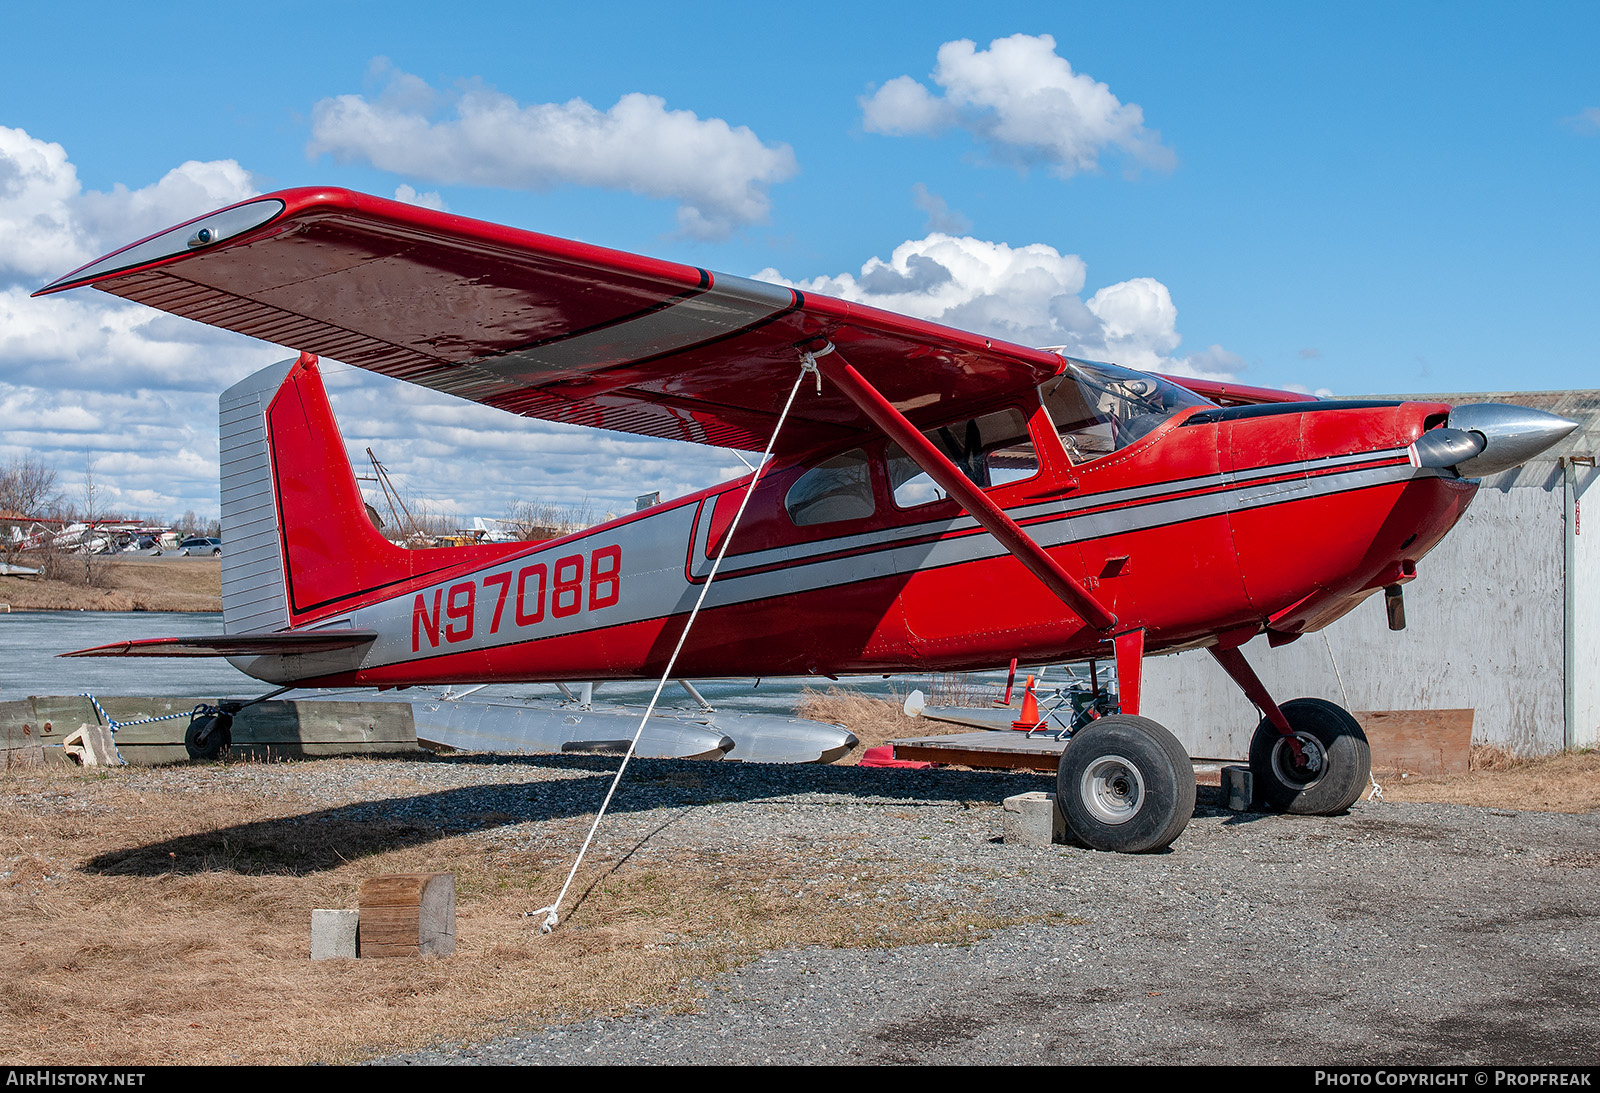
[85, 376]
[718, 173]
[428, 200]
[1031, 295]
[49, 224]
[1024, 103]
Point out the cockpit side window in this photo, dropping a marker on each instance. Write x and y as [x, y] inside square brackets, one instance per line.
[1100, 408]
[992, 450]
[839, 489]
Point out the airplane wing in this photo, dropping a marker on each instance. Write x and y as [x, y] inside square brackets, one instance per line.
[546, 327]
[233, 645]
[1227, 393]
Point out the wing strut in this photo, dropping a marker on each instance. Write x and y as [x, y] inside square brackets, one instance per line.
[977, 503]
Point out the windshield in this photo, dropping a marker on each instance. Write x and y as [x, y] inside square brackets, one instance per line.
[1099, 408]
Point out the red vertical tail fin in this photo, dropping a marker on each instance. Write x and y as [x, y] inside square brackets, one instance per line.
[298, 543]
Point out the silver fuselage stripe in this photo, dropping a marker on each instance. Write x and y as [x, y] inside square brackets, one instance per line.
[654, 583]
[1022, 514]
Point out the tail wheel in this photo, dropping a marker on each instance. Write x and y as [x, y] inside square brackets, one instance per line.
[1125, 784]
[210, 733]
[1334, 766]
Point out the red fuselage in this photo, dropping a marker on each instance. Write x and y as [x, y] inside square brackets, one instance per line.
[1218, 521]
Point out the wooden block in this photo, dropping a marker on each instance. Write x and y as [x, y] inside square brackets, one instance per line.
[408, 914]
[1419, 741]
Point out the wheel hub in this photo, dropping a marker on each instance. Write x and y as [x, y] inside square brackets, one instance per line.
[1311, 766]
[1112, 789]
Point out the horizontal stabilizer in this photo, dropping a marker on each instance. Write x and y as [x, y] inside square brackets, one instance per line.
[233, 645]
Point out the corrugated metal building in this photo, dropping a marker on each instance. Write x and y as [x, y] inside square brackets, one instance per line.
[1503, 618]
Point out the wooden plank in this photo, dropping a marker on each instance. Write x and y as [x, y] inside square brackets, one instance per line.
[54, 716]
[316, 725]
[19, 728]
[123, 708]
[998, 750]
[150, 755]
[21, 757]
[308, 724]
[277, 730]
[1419, 741]
[1006, 751]
[147, 756]
[408, 914]
[322, 722]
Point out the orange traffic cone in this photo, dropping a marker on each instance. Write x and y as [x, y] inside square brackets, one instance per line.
[1030, 709]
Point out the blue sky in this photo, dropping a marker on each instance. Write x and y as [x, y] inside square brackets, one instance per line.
[1364, 198]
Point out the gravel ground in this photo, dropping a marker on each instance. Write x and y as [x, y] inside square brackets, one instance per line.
[1398, 933]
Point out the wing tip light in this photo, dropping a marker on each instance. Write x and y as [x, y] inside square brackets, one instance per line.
[192, 235]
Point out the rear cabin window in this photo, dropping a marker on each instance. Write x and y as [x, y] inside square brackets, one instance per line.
[992, 450]
[840, 489]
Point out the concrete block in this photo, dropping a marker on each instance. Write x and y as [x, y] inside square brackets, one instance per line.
[1032, 819]
[1237, 788]
[335, 934]
[92, 746]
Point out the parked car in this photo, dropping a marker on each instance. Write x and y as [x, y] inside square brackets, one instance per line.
[190, 548]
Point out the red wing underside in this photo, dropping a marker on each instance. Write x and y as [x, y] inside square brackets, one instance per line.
[546, 327]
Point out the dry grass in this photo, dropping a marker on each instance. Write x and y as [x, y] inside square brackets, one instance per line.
[1494, 757]
[128, 584]
[1569, 782]
[875, 721]
[170, 925]
[959, 689]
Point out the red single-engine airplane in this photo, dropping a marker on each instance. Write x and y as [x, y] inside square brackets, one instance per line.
[936, 500]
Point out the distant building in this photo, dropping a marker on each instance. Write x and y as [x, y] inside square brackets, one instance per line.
[1502, 618]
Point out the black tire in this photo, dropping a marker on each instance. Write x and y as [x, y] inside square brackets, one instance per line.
[1340, 749]
[1125, 784]
[217, 731]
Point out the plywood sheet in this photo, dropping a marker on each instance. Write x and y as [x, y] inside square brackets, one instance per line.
[1419, 741]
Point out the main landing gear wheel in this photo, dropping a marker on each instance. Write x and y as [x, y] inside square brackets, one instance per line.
[1125, 784]
[1337, 761]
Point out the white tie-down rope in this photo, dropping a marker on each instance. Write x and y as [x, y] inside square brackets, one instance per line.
[1376, 793]
[552, 918]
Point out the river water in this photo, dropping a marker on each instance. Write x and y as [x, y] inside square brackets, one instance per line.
[30, 642]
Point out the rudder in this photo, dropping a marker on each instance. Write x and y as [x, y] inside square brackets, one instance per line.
[297, 541]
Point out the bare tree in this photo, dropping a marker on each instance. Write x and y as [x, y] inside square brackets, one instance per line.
[27, 491]
[542, 520]
[94, 571]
